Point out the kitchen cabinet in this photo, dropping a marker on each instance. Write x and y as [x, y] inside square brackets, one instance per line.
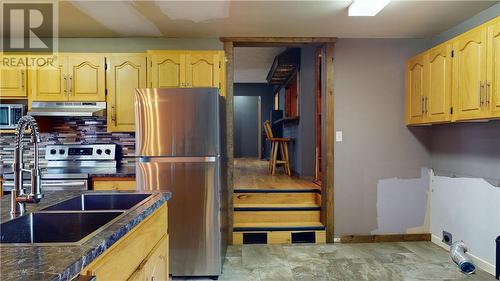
[111, 183]
[437, 72]
[415, 90]
[70, 77]
[125, 73]
[469, 74]
[142, 254]
[493, 68]
[13, 76]
[457, 80]
[186, 69]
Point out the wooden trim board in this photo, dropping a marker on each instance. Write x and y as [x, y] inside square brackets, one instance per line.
[385, 238]
[327, 106]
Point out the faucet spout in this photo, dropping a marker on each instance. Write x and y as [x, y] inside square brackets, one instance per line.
[18, 195]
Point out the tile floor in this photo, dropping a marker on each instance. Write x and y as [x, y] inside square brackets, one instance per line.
[346, 262]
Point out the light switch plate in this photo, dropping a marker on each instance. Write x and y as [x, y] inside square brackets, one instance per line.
[338, 136]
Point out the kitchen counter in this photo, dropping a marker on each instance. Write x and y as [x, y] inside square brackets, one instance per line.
[51, 262]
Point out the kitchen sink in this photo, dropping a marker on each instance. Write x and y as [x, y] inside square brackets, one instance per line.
[90, 202]
[54, 227]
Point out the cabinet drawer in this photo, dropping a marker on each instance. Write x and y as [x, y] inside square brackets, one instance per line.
[124, 258]
[114, 185]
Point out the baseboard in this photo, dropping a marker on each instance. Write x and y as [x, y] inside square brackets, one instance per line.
[385, 238]
[482, 264]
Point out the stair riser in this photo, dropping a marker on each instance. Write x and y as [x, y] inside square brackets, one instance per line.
[276, 198]
[278, 237]
[276, 216]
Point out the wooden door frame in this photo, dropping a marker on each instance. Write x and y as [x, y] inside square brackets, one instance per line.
[327, 45]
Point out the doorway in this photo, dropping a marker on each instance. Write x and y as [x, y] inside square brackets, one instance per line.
[326, 144]
[247, 127]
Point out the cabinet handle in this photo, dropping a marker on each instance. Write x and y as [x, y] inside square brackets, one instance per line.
[113, 114]
[425, 104]
[70, 84]
[486, 94]
[422, 104]
[65, 83]
[22, 79]
[480, 93]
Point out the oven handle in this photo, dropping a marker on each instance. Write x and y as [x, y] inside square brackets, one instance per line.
[54, 185]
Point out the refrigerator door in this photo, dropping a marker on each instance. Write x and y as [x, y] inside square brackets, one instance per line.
[194, 211]
[177, 122]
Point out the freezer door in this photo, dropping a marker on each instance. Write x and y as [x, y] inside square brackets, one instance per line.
[177, 122]
[193, 211]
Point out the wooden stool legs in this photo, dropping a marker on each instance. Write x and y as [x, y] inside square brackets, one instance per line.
[273, 161]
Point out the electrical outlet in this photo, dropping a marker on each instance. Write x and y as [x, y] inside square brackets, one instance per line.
[447, 238]
[338, 136]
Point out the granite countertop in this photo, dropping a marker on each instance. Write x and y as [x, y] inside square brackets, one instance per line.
[35, 262]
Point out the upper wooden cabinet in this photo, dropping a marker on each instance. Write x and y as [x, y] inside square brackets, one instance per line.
[71, 77]
[438, 84]
[461, 79]
[13, 75]
[415, 88]
[186, 69]
[493, 70]
[469, 68]
[125, 73]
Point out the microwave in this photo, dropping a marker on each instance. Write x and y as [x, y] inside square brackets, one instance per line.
[10, 115]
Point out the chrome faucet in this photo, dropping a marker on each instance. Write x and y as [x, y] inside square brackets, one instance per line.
[18, 195]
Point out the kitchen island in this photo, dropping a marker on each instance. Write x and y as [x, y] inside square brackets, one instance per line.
[141, 228]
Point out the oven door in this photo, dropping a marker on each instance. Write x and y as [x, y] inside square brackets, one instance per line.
[5, 120]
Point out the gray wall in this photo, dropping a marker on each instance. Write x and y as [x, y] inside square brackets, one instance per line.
[136, 44]
[266, 94]
[476, 20]
[246, 126]
[369, 86]
[302, 133]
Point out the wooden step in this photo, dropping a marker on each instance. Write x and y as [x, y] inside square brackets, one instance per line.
[271, 216]
[271, 199]
[285, 235]
[278, 226]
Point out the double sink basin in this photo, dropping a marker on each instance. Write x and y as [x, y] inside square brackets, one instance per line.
[71, 220]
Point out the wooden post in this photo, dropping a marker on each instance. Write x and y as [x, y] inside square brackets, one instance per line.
[327, 183]
[228, 49]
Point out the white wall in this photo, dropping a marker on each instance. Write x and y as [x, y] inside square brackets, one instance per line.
[468, 208]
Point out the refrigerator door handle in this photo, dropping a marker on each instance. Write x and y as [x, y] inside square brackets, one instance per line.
[147, 159]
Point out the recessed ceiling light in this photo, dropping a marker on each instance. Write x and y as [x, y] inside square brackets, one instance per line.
[366, 8]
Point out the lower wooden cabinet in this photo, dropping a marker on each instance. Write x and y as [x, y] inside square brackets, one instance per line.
[113, 184]
[142, 254]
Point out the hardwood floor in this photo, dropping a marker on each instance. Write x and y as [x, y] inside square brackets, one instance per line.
[252, 173]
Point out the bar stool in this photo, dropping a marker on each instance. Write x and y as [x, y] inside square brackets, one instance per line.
[282, 144]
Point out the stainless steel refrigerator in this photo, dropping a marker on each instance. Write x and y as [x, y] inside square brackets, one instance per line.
[179, 140]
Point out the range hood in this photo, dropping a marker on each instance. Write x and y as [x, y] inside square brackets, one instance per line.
[67, 109]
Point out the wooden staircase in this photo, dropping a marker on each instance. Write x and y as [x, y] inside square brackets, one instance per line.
[277, 216]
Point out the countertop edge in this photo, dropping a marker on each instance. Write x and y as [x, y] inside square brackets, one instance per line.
[74, 269]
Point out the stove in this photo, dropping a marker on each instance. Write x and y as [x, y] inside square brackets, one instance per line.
[69, 166]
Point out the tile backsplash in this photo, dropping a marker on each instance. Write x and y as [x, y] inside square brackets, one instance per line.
[71, 130]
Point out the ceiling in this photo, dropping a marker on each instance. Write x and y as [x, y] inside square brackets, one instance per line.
[251, 64]
[400, 19]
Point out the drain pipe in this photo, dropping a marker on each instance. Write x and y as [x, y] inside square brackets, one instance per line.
[458, 255]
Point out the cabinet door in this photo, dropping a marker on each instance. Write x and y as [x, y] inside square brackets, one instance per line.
[13, 76]
[415, 88]
[438, 81]
[156, 267]
[203, 70]
[493, 82]
[49, 82]
[86, 74]
[125, 74]
[167, 70]
[114, 184]
[469, 67]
